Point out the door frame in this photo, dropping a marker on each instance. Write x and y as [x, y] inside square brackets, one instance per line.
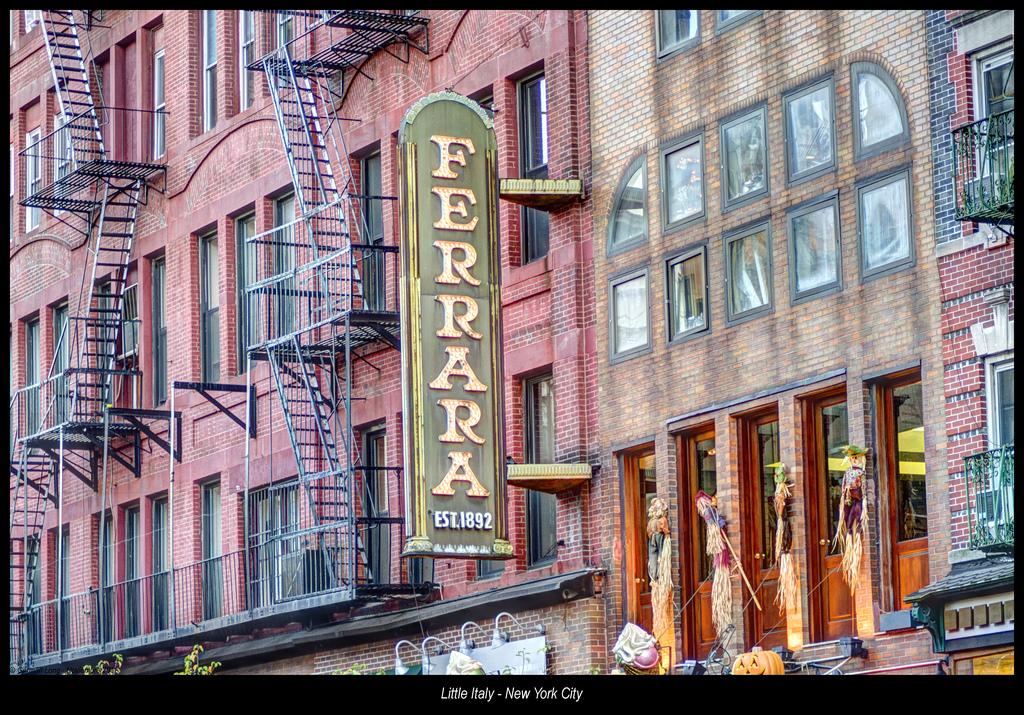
[752, 508]
[816, 501]
[632, 552]
[688, 530]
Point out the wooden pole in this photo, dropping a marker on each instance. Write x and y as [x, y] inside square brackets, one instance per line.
[739, 565]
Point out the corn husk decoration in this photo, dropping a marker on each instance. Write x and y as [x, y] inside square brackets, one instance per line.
[789, 575]
[721, 590]
[849, 532]
[659, 564]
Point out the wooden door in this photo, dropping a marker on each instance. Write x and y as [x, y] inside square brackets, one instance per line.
[640, 487]
[697, 472]
[903, 418]
[826, 430]
[765, 627]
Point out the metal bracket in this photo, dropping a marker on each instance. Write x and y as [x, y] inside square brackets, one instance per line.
[204, 388]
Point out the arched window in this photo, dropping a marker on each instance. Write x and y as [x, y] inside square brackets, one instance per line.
[628, 224]
[879, 117]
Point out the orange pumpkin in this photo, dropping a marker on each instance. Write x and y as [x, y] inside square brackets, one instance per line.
[758, 662]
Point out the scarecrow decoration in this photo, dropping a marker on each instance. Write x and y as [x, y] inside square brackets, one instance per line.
[717, 543]
[659, 566]
[849, 532]
[461, 664]
[789, 577]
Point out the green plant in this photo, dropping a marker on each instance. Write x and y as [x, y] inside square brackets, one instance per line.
[594, 670]
[192, 666]
[103, 667]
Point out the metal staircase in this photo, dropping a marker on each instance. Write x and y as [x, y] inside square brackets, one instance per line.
[64, 425]
[321, 290]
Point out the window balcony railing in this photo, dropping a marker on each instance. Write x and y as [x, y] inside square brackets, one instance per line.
[983, 169]
[989, 483]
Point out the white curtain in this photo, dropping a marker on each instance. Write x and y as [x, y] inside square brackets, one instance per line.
[879, 113]
[885, 215]
[631, 314]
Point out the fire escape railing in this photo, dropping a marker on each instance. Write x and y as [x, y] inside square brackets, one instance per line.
[988, 479]
[983, 169]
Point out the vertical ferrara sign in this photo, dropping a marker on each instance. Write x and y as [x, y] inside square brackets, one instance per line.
[453, 411]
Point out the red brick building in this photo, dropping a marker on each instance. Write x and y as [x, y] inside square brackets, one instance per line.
[187, 130]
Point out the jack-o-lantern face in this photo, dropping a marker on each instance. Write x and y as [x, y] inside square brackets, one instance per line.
[758, 662]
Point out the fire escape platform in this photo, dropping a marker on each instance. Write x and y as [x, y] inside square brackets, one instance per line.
[364, 327]
[65, 194]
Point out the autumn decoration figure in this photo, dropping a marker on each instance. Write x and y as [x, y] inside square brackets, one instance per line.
[719, 549]
[659, 567]
[849, 532]
[789, 575]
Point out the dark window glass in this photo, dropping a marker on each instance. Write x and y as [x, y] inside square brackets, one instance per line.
[283, 257]
[210, 308]
[647, 491]
[65, 587]
[997, 85]
[629, 217]
[61, 361]
[768, 459]
[161, 565]
[707, 481]
[159, 332]
[749, 273]
[746, 158]
[540, 449]
[281, 566]
[834, 436]
[684, 183]
[809, 130]
[1004, 403]
[132, 571]
[108, 577]
[32, 377]
[677, 28]
[533, 157]
[212, 574]
[377, 537]
[372, 209]
[912, 513]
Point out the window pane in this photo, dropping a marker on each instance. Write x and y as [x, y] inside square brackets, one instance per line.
[158, 103]
[998, 86]
[1004, 404]
[912, 514]
[647, 491]
[814, 241]
[535, 113]
[159, 334]
[687, 298]
[880, 116]
[630, 220]
[726, 15]
[810, 130]
[373, 210]
[630, 300]
[768, 459]
[677, 26]
[749, 274]
[745, 158]
[684, 183]
[245, 273]
[210, 295]
[707, 481]
[885, 213]
[283, 257]
[834, 436]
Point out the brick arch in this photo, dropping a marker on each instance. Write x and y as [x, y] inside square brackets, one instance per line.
[876, 59]
[39, 263]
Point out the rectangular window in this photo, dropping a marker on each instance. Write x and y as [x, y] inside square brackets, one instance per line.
[901, 416]
[377, 537]
[726, 19]
[745, 154]
[32, 376]
[65, 586]
[1000, 395]
[815, 253]
[61, 147]
[108, 575]
[130, 322]
[539, 414]
[284, 263]
[677, 29]
[209, 306]
[748, 263]
[810, 132]
[683, 169]
[33, 176]
[247, 310]
[32, 18]
[630, 333]
[276, 559]
[995, 84]
[159, 102]
[159, 331]
[11, 189]
[687, 294]
[209, 39]
[132, 572]
[373, 228]
[886, 239]
[533, 157]
[285, 28]
[212, 574]
[161, 564]
[246, 55]
[61, 362]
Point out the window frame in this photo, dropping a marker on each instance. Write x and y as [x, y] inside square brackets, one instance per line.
[638, 163]
[533, 497]
[159, 129]
[614, 281]
[993, 366]
[33, 19]
[663, 52]
[540, 171]
[63, 158]
[33, 178]
[899, 141]
[209, 350]
[724, 125]
[209, 81]
[723, 26]
[284, 258]
[682, 256]
[989, 56]
[728, 239]
[805, 208]
[246, 261]
[158, 295]
[874, 182]
[684, 142]
[246, 55]
[793, 178]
